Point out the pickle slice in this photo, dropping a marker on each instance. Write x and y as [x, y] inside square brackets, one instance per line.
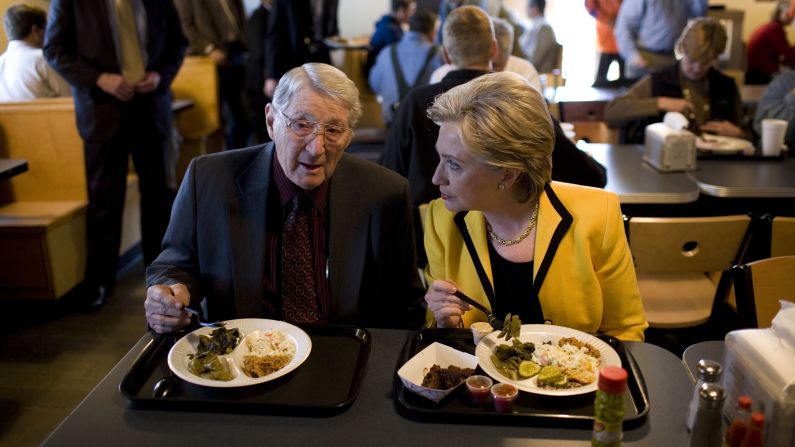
[528, 369]
[549, 375]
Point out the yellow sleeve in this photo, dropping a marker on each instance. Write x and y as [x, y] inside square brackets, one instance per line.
[434, 251]
[623, 315]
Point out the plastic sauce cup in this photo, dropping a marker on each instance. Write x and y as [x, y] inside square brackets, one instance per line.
[504, 394]
[478, 387]
[480, 330]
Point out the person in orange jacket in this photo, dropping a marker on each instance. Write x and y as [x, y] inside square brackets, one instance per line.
[605, 13]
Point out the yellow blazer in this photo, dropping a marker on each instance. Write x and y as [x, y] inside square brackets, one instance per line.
[582, 269]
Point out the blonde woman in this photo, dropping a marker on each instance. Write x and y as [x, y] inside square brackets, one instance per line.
[692, 86]
[507, 236]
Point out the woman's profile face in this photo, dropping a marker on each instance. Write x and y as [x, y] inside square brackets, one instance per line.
[465, 182]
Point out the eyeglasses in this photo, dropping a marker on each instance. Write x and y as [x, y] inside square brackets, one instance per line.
[305, 128]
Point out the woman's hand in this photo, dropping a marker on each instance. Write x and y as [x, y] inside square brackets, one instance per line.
[164, 307]
[446, 307]
[723, 128]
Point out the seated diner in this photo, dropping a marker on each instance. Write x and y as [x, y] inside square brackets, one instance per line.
[507, 236]
[692, 86]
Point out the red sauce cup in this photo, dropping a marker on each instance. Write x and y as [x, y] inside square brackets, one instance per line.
[478, 387]
[504, 394]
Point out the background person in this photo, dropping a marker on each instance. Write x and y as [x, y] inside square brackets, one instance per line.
[605, 12]
[547, 251]
[294, 230]
[778, 102]
[538, 42]
[217, 29]
[389, 30]
[120, 62]
[406, 64]
[24, 73]
[646, 32]
[691, 86]
[768, 48]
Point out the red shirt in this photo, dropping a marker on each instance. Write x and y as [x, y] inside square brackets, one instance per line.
[605, 13]
[280, 199]
[768, 47]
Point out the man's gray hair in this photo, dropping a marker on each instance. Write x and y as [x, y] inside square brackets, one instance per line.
[323, 79]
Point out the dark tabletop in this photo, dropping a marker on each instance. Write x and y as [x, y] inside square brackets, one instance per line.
[104, 417]
[10, 168]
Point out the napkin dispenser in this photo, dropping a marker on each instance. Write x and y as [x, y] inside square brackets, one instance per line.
[669, 149]
[761, 364]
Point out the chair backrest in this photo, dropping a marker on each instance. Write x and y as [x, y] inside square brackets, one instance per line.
[197, 80]
[687, 244]
[782, 236]
[44, 132]
[759, 285]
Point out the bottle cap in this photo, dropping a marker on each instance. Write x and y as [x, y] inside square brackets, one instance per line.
[711, 395]
[744, 401]
[709, 370]
[613, 379]
[758, 419]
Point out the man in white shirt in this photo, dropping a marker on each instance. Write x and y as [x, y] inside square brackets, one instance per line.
[24, 73]
[539, 42]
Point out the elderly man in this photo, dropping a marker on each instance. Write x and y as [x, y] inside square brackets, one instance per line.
[294, 229]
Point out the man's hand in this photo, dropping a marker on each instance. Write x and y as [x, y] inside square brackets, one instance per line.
[639, 61]
[165, 307]
[149, 83]
[115, 84]
[270, 87]
[667, 104]
[218, 56]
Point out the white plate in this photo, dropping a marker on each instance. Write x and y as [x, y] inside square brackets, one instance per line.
[717, 143]
[178, 356]
[539, 333]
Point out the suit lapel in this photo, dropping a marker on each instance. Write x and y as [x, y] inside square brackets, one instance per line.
[247, 231]
[554, 221]
[348, 237]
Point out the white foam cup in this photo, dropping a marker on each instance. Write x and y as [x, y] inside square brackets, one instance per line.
[773, 132]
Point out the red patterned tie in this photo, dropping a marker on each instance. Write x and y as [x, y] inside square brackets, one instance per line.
[299, 300]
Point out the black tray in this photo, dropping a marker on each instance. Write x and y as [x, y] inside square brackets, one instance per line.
[528, 409]
[313, 389]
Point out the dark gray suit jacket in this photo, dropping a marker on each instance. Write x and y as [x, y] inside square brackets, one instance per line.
[215, 241]
[204, 23]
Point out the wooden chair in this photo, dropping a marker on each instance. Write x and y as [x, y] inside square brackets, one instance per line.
[782, 236]
[42, 211]
[673, 257]
[759, 285]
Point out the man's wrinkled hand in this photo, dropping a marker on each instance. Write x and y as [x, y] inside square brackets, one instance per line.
[165, 307]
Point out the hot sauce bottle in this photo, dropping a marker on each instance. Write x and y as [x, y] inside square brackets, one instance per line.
[609, 407]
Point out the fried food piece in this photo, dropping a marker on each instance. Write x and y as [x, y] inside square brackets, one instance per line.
[445, 378]
[593, 352]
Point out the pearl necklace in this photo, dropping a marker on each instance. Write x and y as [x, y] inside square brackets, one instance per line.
[523, 236]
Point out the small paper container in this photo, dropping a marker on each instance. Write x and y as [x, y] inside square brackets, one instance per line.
[413, 371]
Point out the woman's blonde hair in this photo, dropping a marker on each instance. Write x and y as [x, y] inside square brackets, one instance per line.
[505, 123]
[703, 40]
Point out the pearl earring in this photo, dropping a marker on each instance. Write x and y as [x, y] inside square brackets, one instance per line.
[500, 186]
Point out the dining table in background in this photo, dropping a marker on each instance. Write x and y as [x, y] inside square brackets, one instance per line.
[637, 182]
[105, 417]
[10, 167]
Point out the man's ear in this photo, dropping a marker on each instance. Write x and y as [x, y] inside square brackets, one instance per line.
[446, 57]
[269, 117]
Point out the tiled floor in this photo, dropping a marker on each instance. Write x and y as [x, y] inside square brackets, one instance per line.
[52, 354]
